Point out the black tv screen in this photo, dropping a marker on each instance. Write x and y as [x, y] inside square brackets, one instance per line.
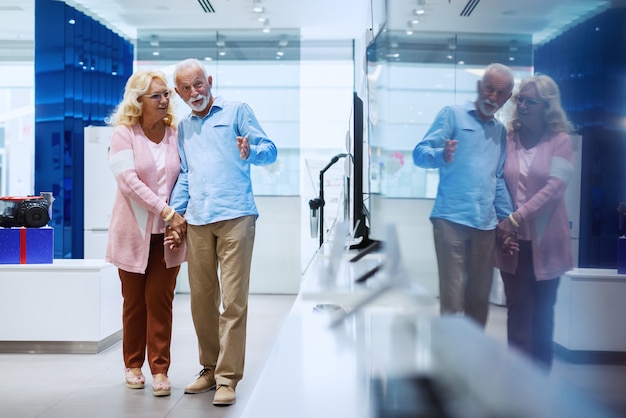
[360, 221]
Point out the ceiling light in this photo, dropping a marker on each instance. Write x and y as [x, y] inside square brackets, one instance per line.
[283, 41]
[258, 7]
[420, 7]
[262, 18]
[266, 26]
[409, 28]
[154, 41]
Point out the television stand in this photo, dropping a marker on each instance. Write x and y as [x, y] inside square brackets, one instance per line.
[367, 246]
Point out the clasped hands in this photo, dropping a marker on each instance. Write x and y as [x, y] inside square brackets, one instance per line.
[506, 237]
[175, 232]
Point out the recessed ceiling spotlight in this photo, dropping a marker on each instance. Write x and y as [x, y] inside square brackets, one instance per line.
[258, 7]
[266, 26]
[420, 7]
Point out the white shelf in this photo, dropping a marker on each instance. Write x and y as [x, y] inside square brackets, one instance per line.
[69, 306]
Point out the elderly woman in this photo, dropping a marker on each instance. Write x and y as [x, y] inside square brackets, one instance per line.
[538, 166]
[145, 162]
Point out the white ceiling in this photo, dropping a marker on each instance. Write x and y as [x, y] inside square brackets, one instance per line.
[317, 19]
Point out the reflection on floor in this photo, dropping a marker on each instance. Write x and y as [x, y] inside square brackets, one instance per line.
[86, 385]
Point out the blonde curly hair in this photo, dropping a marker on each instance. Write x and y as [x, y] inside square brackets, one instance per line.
[130, 109]
[554, 117]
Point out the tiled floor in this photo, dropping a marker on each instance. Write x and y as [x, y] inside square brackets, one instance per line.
[605, 383]
[86, 385]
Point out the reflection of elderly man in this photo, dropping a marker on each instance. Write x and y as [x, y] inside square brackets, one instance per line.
[468, 146]
[217, 143]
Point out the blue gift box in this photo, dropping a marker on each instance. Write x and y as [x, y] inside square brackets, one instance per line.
[26, 245]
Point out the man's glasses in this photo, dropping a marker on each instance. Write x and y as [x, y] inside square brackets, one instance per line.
[529, 102]
[157, 96]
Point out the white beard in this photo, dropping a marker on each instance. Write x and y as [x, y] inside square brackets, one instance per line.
[488, 111]
[198, 107]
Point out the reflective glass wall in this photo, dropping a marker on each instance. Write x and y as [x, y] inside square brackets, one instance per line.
[411, 78]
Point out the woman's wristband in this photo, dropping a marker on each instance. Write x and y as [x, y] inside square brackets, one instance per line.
[170, 215]
[513, 221]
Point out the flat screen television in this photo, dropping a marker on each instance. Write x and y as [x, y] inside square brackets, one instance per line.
[360, 213]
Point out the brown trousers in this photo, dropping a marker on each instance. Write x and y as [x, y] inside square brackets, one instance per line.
[147, 311]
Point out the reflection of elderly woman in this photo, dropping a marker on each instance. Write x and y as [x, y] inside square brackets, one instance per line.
[538, 165]
[144, 159]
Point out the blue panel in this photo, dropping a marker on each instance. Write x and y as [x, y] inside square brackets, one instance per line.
[74, 87]
[588, 63]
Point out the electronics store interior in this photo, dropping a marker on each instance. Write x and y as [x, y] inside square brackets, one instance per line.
[344, 315]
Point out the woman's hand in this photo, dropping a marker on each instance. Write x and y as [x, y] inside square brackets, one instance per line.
[506, 237]
[173, 240]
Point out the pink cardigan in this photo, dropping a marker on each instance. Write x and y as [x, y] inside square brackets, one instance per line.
[137, 202]
[545, 212]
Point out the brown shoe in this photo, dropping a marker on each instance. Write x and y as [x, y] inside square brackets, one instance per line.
[203, 383]
[224, 395]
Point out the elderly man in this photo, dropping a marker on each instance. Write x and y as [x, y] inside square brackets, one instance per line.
[468, 146]
[217, 143]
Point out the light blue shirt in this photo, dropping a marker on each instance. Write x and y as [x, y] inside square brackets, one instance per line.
[471, 191]
[214, 182]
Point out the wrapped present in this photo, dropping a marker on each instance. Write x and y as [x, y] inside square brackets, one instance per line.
[26, 245]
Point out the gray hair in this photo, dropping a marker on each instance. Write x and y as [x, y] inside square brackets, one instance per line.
[190, 63]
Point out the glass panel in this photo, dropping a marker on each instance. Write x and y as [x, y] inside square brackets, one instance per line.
[410, 78]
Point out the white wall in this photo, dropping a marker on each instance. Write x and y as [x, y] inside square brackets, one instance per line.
[415, 233]
[276, 257]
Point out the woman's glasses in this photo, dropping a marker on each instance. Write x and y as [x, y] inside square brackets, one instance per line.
[157, 96]
[529, 102]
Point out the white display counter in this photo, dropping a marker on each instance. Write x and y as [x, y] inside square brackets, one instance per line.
[69, 306]
[395, 356]
[589, 314]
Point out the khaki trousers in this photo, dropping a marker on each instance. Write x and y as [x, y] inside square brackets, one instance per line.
[465, 259]
[147, 311]
[225, 246]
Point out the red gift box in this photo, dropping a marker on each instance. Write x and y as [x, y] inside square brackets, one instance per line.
[26, 245]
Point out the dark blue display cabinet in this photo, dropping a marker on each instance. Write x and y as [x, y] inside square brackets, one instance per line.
[81, 68]
[588, 62]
